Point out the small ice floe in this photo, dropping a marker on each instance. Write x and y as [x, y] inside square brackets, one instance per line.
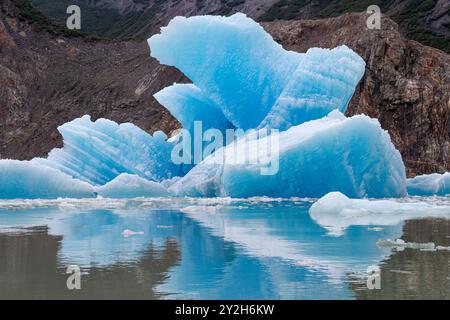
[377, 229]
[401, 244]
[401, 271]
[336, 212]
[128, 233]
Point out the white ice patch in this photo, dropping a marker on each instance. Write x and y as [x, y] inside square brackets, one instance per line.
[431, 184]
[129, 233]
[336, 212]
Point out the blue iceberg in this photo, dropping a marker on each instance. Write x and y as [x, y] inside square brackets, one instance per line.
[97, 152]
[352, 155]
[242, 80]
[429, 185]
[25, 179]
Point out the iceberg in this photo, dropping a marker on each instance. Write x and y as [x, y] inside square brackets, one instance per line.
[336, 212]
[28, 180]
[97, 152]
[429, 185]
[242, 80]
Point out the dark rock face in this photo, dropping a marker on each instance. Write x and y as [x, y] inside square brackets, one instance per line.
[406, 84]
[47, 80]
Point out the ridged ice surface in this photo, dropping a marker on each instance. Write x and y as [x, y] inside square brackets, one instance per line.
[26, 180]
[353, 155]
[250, 77]
[325, 80]
[431, 184]
[97, 152]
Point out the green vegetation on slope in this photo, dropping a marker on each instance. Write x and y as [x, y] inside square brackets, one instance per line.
[27, 12]
[106, 22]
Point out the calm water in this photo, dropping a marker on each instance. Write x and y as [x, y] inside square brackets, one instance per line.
[209, 249]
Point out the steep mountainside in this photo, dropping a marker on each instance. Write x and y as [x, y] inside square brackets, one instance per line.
[48, 77]
[427, 21]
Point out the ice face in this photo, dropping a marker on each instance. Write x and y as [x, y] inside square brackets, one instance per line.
[353, 155]
[242, 79]
[428, 185]
[97, 152]
[325, 80]
[250, 77]
[187, 104]
[337, 212]
[28, 180]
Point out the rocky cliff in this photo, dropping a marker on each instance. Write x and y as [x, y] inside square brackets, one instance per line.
[48, 78]
[406, 84]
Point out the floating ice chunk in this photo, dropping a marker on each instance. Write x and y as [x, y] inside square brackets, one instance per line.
[399, 243]
[97, 152]
[131, 186]
[428, 185]
[250, 77]
[129, 233]
[352, 155]
[336, 212]
[28, 180]
[232, 59]
[325, 80]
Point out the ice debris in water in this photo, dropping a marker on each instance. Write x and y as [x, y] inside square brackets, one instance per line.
[97, 152]
[241, 79]
[428, 185]
[336, 212]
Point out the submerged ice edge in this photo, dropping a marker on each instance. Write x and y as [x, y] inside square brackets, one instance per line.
[336, 212]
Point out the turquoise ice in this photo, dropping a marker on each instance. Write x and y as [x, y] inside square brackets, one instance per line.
[97, 152]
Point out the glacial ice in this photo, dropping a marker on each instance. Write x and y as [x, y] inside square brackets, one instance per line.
[428, 185]
[131, 186]
[352, 155]
[315, 89]
[336, 212]
[241, 79]
[97, 152]
[187, 103]
[28, 180]
[250, 77]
